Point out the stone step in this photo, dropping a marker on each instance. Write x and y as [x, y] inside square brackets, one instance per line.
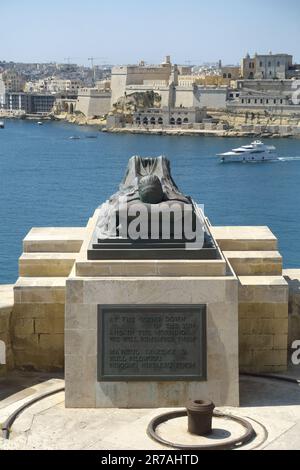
[46, 264]
[255, 263]
[184, 268]
[263, 289]
[40, 290]
[54, 240]
[244, 238]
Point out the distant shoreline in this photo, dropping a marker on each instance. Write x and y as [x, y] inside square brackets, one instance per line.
[81, 120]
[177, 131]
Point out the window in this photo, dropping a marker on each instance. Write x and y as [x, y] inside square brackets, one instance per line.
[267, 101]
[255, 101]
[261, 101]
[274, 101]
[260, 64]
[270, 64]
[278, 64]
[249, 101]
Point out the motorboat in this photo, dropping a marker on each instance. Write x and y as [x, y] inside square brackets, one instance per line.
[1, 124]
[255, 152]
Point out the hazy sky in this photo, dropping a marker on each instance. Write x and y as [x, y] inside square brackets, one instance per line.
[125, 31]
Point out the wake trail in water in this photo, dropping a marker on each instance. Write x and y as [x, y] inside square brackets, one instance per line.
[289, 159]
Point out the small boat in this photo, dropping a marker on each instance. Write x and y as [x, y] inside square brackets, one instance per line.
[255, 152]
[91, 137]
[40, 123]
[74, 137]
[2, 125]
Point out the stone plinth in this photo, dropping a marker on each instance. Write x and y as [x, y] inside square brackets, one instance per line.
[34, 325]
[83, 296]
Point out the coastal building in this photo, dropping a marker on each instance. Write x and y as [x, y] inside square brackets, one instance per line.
[30, 103]
[267, 66]
[123, 76]
[267, 94]
[10, 82]
[54, 85]
[163, 117]
[93, 102]
[175, 90]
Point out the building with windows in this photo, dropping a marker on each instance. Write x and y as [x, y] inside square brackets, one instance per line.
[230, 72]
[10, 82]
[30, 103]
[164, 117]
[266, 67]
[54, 85]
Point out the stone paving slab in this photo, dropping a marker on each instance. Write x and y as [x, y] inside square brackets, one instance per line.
[274, 405]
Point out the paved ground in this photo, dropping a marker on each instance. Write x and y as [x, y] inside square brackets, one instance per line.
[269, 405]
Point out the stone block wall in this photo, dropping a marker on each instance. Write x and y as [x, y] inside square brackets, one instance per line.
[263, 324]
[263, 297]
[37, 319]
[6, 307]
[37, 323]
[292, 276]
[33, 329]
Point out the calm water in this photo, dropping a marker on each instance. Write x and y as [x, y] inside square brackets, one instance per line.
[46, 179]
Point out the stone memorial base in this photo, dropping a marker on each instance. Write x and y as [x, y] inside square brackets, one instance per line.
[172, 288]
[148, 331]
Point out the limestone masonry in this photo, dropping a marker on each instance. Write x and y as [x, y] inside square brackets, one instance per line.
[36, 314]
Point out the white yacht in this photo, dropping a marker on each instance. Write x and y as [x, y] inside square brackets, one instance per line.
[255, 152]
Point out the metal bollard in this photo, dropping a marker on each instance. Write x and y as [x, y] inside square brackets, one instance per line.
[200, 415]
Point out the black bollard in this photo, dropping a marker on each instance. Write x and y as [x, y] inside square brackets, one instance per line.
[200, 415]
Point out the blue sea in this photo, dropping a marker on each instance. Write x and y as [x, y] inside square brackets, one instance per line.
[48, 179]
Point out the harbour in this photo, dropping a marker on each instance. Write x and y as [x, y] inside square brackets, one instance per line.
[48, 179]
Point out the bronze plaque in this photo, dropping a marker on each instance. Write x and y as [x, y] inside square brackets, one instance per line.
[151, 342]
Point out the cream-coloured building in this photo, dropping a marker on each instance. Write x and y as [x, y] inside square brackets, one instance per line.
[10, 82]
[54, 85]
[175, 90]
[123, 76]
[93, 102]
